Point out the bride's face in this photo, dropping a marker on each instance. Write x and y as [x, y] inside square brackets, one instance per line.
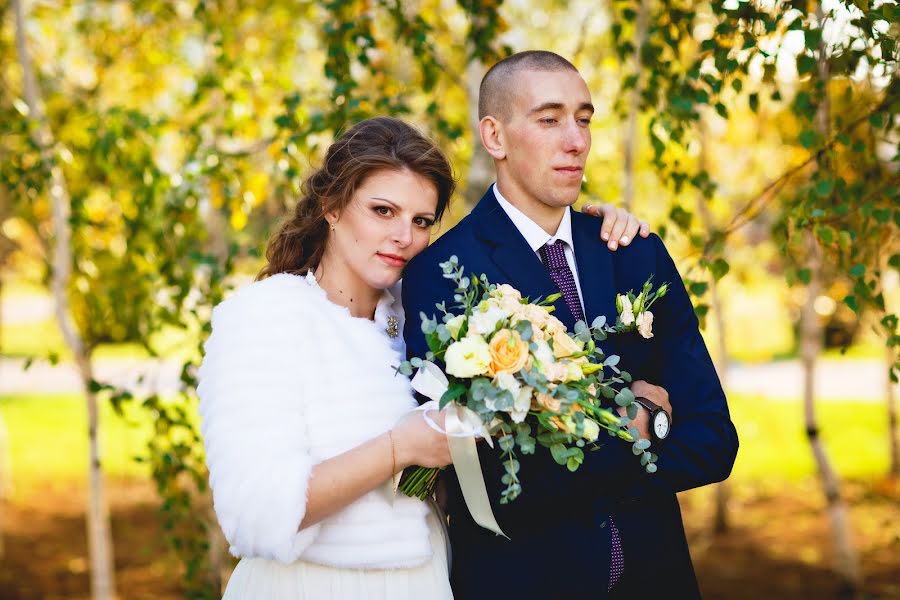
[386, 224]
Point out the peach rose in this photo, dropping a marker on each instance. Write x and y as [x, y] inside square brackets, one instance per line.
[563, 345]
[508, 352]
[548, 402]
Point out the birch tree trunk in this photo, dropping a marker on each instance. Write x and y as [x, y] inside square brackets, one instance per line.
[720, 354]
[98, 526]
[481, 166]
[634, 100]
[890, 394]
[846, 559]
[894, 470]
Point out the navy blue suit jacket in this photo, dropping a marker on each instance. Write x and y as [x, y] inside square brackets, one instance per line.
[559, 542]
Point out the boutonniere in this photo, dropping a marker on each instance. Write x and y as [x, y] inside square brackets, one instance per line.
[634, 310]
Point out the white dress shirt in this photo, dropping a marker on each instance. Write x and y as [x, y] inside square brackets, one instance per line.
[536, 237]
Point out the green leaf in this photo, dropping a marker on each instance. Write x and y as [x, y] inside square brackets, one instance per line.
[857, 270]
[559, 453]
[624, 397]
[807, 138]
[813, 37]
[453, 392]
[719, 268]
[804, 275]
[753, 101]
[805, 64]
[698, 288]
[680, 217]
[824, 187]
[825, 234]
[851, 302]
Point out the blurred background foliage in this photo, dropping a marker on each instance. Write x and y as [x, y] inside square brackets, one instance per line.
[760, 138]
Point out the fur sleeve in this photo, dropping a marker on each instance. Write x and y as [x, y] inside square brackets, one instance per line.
[252, 406]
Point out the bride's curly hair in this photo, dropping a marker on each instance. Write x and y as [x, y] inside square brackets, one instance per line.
[370, 146]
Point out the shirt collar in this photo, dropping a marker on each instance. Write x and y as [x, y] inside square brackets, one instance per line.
[533, 233]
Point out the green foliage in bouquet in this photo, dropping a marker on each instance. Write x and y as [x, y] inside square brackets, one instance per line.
[515, 372]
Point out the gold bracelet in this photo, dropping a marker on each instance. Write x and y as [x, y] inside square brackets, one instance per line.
[393, 454]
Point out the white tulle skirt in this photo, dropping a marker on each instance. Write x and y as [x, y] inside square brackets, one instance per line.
[262, 579]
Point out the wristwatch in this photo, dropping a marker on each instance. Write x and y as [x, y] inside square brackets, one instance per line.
[660, 424]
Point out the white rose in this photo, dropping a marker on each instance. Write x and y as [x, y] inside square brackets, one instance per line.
[506, 381]
[645, 324]
[626, 315]
[573, 371]
[485, 319]
[468, 357]
[591, 430]
[554, 326]
[506, 291]
[522, 404]
[454, 325]
[543, 354]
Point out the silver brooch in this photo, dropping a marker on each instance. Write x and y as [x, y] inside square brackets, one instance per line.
[393, 326]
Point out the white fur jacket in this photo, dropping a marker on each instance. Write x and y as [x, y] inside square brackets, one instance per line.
[288, 380]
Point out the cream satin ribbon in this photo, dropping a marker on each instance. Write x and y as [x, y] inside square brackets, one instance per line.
[461, 426]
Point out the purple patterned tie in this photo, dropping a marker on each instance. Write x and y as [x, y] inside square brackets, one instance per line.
[554, 257]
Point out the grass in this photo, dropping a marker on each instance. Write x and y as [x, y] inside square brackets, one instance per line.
[48, 439]
[42, 339]
[48, 442]
[774, 446]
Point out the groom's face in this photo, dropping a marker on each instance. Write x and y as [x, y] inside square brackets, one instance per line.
[547, 137]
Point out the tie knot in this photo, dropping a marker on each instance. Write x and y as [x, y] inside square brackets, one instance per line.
[554, 255]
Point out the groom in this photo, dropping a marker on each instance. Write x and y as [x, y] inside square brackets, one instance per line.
[609, 529]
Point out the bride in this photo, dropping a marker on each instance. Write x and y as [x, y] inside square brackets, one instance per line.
[305, 422]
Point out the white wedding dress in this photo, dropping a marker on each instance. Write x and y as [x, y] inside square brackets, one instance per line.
[289, 380]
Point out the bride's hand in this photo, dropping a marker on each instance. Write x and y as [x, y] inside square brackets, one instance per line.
[619, 226]
[416, 443]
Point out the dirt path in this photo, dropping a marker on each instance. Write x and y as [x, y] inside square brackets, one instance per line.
[776, 549]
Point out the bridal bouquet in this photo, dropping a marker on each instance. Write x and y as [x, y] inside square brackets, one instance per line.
[513, 372]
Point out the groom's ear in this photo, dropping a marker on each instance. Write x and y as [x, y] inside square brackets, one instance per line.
[492, 138]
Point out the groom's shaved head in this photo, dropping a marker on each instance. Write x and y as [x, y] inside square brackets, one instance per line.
[495, 96]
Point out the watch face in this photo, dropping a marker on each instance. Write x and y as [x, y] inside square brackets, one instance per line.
[661, 424]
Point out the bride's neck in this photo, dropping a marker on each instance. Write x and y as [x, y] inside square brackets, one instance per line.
[343, 287]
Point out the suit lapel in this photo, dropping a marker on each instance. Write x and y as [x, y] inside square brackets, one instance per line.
[512, 255]
[595, 271]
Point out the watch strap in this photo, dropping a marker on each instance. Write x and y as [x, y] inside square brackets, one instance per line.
[648, 403]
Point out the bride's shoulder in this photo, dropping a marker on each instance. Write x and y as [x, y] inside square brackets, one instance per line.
[269, 298]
